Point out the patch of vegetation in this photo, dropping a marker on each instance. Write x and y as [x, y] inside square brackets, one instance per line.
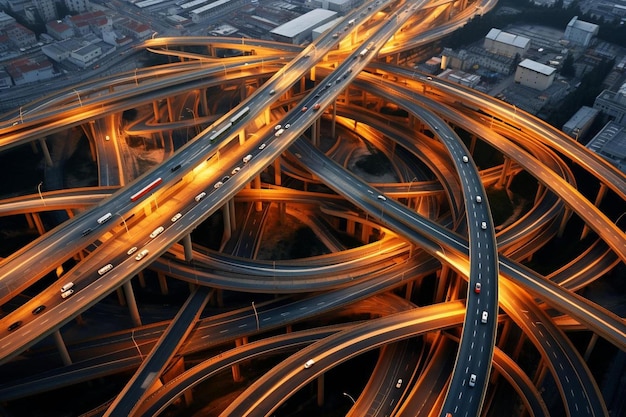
[375, 164]
[500, 205]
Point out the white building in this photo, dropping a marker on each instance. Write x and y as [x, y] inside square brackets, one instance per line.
[534, 74]
[610, 143]
[580, 32]
[613, 104]
[78, 6]
[340, 6]
[578, 125]
[47, 9]
[504, 43]
[299, 30]
[85, 55]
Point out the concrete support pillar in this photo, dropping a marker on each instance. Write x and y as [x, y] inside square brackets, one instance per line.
[277, 172]
[441, 283]
[350, 227]
[188, 247]
[46, 152]
[539, 193]
[227, 227]
[320, 390]
[333, 122]
[233, 214]
[132, 303]
[170, 110]
[142, 279]
[155, 111]
[30, 220]
[258, 205]
[504, 173]
[315, 139]
[409, 291]
[540, 373]
[590, 346]
[60, 344]
[242, 90]
[162, 283]
[235, 368]
[266, 115]
[597, 202]
[39, 224]
[564, 219]
[120, 296]
[472, 144]
[204, 103]
[219, 295]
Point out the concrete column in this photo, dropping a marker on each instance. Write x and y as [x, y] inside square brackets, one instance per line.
[540, 374]
[142, 279]
[350, 227]
[505, 170]
[258, 205]
[314, 134]
[132, 303]
[170, 110]
[590, 346]
[46, 152]
[120, 296]
[320, 390]
[333, 123]
[39, 224]
[564, 219]
[227, 227]
[540, 190]
[233, 214]
[162, 283]
[204, 104]
[30, 220]
[409, 290]
[441, 283]
[235, 368]
[155, 110]
[473, 140]
[277, 172]
[65, 355]
[188, 247]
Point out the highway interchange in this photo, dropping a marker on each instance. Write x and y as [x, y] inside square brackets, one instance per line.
[456, 239]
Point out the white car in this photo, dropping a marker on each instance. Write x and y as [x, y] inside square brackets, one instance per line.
[176, 217]
[479, 199]
[399, 383]
[218, 184]
[287, 126]
[141, 254]
[131, 250]
[67, 293]
[472, 380]
[200, 196]
[247, 158]
[309, 363]
[465, 159]
[67, 286]
[277, 127]
[484, 317]
[381, 197]
[262, 146]
[156, 232]
[235, 170]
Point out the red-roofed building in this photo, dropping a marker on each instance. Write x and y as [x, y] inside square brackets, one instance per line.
[95, 22]
[135, 29]
[28, 70]
[20, 36]
[59, 30]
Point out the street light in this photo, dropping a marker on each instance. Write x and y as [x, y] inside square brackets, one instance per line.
[78, 95]
[256, 316]
[349, 396]
[124, 221]
[39, 191]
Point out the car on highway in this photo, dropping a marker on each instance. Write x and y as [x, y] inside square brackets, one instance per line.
[465, 159]
[15, 325]
[176, 217]
[200, 196]
[477, 288]
[141, 254]
[472, 380]
[484, 317]
[479, 199]
[67, 293]
[235, 170]
[277, 127]
[218, 184]
[272, 92]
[263, 145]
[304, 108]
[106, 268]
[309, 363]
[175, 168]
[279, 132]
[247, 158]
[316, 106]
[131, 250]
[287, 126]
[156, 232]
[483, 225]
[39, 309]
[67, 286]
[225, 178]
[381, 197]
[399, 383]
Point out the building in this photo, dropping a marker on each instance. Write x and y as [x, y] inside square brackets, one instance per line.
[77, 6]
[507, 44]
[580, 32]
[59, 30]
[5, 20]
[47, 9]
[86, 54]
[578, 125]
[20, 36]
[215, 8]
[339, 6]
[474, 58]
[28, 70]
[460, 77]
[5, 80]
[91, 22]
[613, 105]
[319, 30]
[534, 75]
[300, 29]
[610, 144]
